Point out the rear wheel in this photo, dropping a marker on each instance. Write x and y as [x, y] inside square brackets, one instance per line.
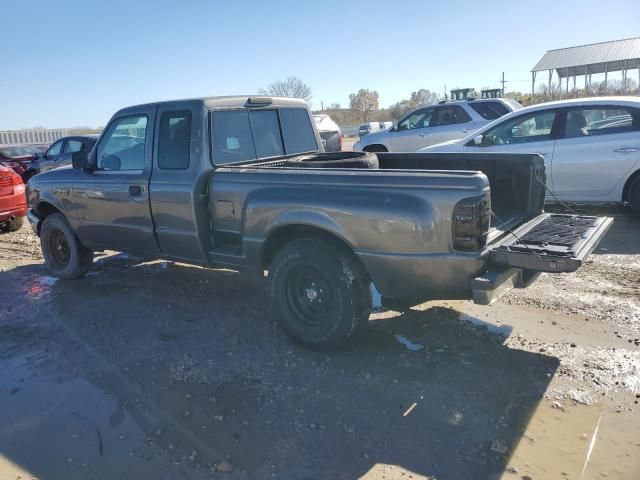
[13, 225]
[634, 196]
[63, 253]
[318, 292]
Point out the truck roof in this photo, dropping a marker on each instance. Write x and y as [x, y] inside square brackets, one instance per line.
[231, 101]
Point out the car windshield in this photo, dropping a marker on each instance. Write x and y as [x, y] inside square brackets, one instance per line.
[19, 151]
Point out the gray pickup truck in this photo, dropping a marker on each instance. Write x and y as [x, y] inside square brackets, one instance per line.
[242, 182]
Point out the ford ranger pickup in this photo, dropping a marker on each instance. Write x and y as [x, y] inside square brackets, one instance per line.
[243, 183]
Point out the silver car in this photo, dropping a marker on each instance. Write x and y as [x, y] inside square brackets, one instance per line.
[432, 124]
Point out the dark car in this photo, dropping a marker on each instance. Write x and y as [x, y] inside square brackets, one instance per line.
[19, 158]
[59, 153]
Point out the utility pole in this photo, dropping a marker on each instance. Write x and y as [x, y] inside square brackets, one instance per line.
[445, 91]
[321, 106]
[503, 81]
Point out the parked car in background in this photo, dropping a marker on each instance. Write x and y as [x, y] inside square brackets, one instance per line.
[13, 203]
[19, 158]
[591, 146]
[367, 128]
[59, 153]
[385, 125]
[329, 132]
[433, 124]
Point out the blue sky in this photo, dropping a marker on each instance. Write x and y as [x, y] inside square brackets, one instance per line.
[72, 63]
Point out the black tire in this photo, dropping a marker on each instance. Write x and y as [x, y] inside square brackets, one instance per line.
[375, 148]
[15, 225]
[335, 160]
[303, 274]
[63, 253]
[634, 196]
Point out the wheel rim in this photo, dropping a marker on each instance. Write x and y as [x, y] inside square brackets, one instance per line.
[59, 248]
[309, 296]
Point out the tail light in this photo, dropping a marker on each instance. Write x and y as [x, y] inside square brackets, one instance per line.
[471, 221]
[15, 179]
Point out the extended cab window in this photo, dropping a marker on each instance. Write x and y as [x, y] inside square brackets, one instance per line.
[122, 146]
[174, 140]
[241, 135]
[297, 131]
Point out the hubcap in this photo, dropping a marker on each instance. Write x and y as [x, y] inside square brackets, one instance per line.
[308, 294]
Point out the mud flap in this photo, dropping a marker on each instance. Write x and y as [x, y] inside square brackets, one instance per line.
[550, 242]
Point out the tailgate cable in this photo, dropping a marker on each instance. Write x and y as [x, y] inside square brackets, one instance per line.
[544, 184]
[508, 229]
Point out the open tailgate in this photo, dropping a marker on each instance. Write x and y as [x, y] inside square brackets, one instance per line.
[551, 243]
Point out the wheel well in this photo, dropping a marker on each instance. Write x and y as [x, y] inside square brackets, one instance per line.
[44, 209]
[376, 147]
[627, 185]
[283, 235]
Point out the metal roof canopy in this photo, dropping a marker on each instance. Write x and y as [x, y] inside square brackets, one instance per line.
[594, 58]
[576, 60]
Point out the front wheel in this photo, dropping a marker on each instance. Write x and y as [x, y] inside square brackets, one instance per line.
[63, 253]
[634, 196]
[318, 292]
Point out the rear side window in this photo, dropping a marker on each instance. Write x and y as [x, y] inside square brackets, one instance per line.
[450, 115]
[174, 140]
[266, 133]
[297, 131]
[489, 110]
[232, 140]
[587, 122]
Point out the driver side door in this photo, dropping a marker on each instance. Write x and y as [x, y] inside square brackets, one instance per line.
[113, 194]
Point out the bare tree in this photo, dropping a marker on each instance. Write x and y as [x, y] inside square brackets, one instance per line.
[423, 97]
[365, 103]
[291, 87]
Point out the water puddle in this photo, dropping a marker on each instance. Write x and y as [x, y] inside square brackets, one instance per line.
[414, 347]
[577, 442]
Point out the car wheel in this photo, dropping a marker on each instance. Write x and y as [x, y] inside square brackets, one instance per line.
[63, 253]
[318, 292]
[15, 224]
[634, 196]
[375, 148]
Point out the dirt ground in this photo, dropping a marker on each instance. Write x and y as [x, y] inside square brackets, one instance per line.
[166, 371]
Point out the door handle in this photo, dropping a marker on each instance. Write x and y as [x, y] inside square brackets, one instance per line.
[135, 190]
[627, 149]
[466, 130]
[540, 153]
[423, 134]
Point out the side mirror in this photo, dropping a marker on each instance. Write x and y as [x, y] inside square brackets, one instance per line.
[80, 159]
[477, 140]
[38, 155]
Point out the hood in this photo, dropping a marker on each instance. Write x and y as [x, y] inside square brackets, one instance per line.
[374, 137]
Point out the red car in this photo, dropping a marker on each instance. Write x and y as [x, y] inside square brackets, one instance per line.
[19, 158]
[13, 203]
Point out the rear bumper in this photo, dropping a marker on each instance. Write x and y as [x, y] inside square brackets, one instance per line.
[10, 208]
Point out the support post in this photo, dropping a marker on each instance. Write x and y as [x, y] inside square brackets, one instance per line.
[549, 90]
[624, 77]
[533, 82]
[606, 75]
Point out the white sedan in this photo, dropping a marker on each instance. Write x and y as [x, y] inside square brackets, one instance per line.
[591, 146]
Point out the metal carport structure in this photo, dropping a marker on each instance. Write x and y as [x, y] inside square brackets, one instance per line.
[595, 58]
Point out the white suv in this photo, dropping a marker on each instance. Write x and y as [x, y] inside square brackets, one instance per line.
[433, 124]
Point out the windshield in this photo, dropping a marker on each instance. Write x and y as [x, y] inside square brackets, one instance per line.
[19, 151]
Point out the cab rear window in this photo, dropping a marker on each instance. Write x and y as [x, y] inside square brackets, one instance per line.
[244, 135]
